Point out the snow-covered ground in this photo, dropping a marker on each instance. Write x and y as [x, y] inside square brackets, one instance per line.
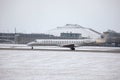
[58, 65]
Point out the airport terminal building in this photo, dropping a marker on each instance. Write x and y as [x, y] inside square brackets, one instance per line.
[75, 28]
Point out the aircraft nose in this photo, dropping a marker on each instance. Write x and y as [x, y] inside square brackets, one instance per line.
[30, 43]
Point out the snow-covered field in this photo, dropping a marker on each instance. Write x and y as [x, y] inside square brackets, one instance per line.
[58, 65]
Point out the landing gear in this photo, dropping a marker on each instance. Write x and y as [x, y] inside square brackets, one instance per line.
[32, 47]
[72, 48]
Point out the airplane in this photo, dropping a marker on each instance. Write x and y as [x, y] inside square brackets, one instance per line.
[69, 43]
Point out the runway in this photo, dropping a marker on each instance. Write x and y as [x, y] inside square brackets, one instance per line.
[102, 51]
[55, 48]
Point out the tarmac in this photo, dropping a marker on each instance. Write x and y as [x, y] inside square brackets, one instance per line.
[55, 48]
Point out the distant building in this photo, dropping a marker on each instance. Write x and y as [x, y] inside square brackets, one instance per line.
[70, 35]
[7, 38]
[75, 28]
[111, 37]
[21, 38]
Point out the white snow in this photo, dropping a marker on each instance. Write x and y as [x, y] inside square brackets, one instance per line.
[58, 65]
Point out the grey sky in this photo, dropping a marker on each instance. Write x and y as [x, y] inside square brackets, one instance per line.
[37, 16]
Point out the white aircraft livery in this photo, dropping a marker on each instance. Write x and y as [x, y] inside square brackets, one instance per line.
[70, 43]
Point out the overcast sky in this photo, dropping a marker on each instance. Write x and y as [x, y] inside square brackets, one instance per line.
[38, 16]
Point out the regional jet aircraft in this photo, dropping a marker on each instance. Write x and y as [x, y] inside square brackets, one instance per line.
[70, 43]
